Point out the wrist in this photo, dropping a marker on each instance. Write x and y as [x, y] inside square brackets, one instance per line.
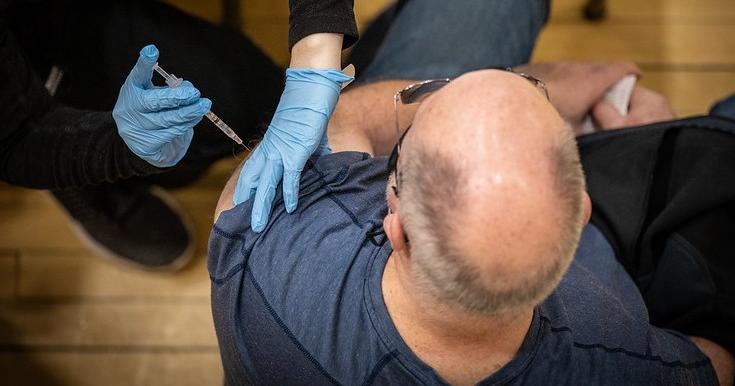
[315, 76]
[320, 51]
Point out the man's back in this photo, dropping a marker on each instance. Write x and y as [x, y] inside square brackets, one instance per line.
[301, 303]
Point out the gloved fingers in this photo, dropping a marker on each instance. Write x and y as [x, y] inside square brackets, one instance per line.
[265, 193]
[247, 181]
[179, 146]
[159, 130]
[291, 180]
[142, 72]
[157, 99]
[293, 165]
[184, 128]
[182, 116]
[172, 152]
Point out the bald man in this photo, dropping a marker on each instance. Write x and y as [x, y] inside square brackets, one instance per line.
[458, 267]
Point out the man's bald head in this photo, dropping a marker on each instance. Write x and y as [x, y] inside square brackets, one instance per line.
[492, 193]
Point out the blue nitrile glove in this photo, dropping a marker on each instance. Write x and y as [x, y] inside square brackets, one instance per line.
[298, 130]
[157, 123]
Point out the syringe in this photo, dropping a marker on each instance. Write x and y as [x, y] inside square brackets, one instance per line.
[173, 81]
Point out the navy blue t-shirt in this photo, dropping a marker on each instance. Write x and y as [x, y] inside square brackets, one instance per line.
[301, 303]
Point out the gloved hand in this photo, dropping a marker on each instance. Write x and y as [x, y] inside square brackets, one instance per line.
[157, 123]
[297, 131]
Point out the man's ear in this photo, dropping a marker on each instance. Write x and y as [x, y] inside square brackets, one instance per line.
[586, 207]
[394, 230]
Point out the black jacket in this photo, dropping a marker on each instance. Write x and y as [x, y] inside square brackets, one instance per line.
[664, 196]
[44, 144]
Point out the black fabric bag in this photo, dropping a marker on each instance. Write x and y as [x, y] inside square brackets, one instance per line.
[664, 196]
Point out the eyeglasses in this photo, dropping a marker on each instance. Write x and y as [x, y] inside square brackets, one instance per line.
[418, 92]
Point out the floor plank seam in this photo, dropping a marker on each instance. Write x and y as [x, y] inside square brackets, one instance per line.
[23, 300]
[102, 348]
[641, 22]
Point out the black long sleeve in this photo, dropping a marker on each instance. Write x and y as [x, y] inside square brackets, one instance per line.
[46, 145]
[318, 16]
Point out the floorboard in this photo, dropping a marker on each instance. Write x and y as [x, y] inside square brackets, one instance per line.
[110, 367]
[86, 276]
[168, 323]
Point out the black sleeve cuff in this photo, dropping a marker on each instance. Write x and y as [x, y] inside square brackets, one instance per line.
[303, 27]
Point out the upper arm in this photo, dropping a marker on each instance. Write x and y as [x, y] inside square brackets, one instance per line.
[225, 199]
[363, 121]
[339, 140]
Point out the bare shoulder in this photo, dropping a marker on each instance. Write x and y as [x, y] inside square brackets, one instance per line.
[225, 199]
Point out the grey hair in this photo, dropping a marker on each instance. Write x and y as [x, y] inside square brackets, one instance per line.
[433, 194]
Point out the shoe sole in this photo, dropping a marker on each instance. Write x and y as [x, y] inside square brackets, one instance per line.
[107, 254]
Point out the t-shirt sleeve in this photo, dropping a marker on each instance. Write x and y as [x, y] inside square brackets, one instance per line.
[676, 353]
[329, 189]
[322, 16]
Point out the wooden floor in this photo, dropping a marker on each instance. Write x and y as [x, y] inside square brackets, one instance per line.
[70, 318]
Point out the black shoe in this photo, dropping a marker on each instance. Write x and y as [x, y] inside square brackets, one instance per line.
[134, 224]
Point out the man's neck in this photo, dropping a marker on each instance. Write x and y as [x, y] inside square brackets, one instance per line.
[462, 348]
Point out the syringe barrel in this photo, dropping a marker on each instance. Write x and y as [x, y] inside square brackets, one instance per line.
[223, 127]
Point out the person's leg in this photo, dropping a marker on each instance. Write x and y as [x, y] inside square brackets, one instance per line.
[366, 48]
[439, 38]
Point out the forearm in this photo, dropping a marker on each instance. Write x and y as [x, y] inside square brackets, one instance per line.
[320, 51]
[225, 199]
[364, 118]
[68, 148]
